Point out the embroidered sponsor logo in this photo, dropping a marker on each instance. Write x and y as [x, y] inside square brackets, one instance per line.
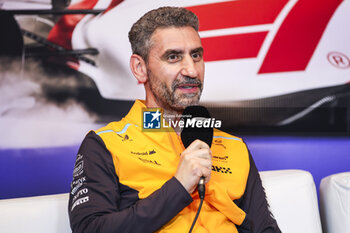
[80, 201]
[79, 157]
[78, 169]
[80, 180]
[151, 152]
[218, 142]
[76, 188]
[149, 161]
[225, 170]
[81, 192]
[139, 153]
[222, 158]
[126, 138]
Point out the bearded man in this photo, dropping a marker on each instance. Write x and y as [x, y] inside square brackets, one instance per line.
[127, 179]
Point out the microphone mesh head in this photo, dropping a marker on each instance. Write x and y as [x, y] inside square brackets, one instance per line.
[192, 131]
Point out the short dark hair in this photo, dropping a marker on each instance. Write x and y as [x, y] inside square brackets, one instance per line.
[163, 17]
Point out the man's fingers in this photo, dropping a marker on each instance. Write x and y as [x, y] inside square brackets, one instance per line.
[204, 153]
[195, 162]
[206, 172]
[196, 145]
[204, 163]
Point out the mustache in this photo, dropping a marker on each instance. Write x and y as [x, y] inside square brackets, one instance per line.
[185, 81]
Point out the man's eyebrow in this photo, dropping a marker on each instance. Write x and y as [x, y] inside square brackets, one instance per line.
[196, 50]
[179, 51]
[171, 51]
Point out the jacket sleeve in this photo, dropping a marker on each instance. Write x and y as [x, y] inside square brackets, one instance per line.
[95, 203]
[258, 219]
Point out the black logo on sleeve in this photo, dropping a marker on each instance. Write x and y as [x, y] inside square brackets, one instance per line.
[78, 169]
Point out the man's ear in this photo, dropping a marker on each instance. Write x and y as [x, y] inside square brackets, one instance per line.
[138, 68]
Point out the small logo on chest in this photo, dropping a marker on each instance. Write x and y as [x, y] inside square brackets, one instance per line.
[149, 161]
[218, 142]
[220, 158]
[149, 152]
[225, 170]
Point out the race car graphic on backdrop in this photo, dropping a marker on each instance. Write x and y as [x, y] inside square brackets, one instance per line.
[271, 66]
[268, 63]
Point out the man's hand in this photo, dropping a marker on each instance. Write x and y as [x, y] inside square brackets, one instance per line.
[195, 162]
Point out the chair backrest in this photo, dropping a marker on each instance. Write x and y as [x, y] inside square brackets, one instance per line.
[293, 200]
[335, 203]
[41, 214]
[290, 193]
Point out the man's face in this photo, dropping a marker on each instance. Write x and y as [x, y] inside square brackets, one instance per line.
[175, 67]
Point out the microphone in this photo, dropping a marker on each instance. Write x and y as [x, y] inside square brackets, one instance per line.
[190, 134]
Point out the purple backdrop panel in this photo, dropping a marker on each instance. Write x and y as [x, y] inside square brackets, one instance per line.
[320, 156]
[32, 172]
[42, 171]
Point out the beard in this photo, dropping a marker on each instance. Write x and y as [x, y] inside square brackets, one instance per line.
[168, 98]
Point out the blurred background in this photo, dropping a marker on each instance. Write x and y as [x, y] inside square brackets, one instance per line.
[277, 75]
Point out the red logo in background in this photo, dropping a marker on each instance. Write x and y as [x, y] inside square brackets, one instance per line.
[294, 42]
[338, 60]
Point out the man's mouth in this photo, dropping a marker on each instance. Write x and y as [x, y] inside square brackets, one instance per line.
[188, 88]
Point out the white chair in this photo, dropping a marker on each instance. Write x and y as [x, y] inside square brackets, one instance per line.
[335, 203]
[41, 214]
[290, 193]
[293, 200]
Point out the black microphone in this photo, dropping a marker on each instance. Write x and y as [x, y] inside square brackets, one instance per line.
[192, 131]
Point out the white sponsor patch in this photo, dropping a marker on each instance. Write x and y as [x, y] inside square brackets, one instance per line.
[81, 192]
[80, 201]
[78, 169]
[75, 189]
[80, 180]
[79, 157]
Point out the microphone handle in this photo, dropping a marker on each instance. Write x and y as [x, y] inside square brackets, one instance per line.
[201, 188]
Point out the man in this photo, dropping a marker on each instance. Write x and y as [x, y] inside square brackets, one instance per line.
[130, 180]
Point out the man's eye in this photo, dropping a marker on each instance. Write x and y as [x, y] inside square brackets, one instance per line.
[173, 57]
[197, 56]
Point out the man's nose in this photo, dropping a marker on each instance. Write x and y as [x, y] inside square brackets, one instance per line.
[189, 67]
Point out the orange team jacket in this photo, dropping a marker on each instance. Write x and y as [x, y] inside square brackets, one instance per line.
[123, 181]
